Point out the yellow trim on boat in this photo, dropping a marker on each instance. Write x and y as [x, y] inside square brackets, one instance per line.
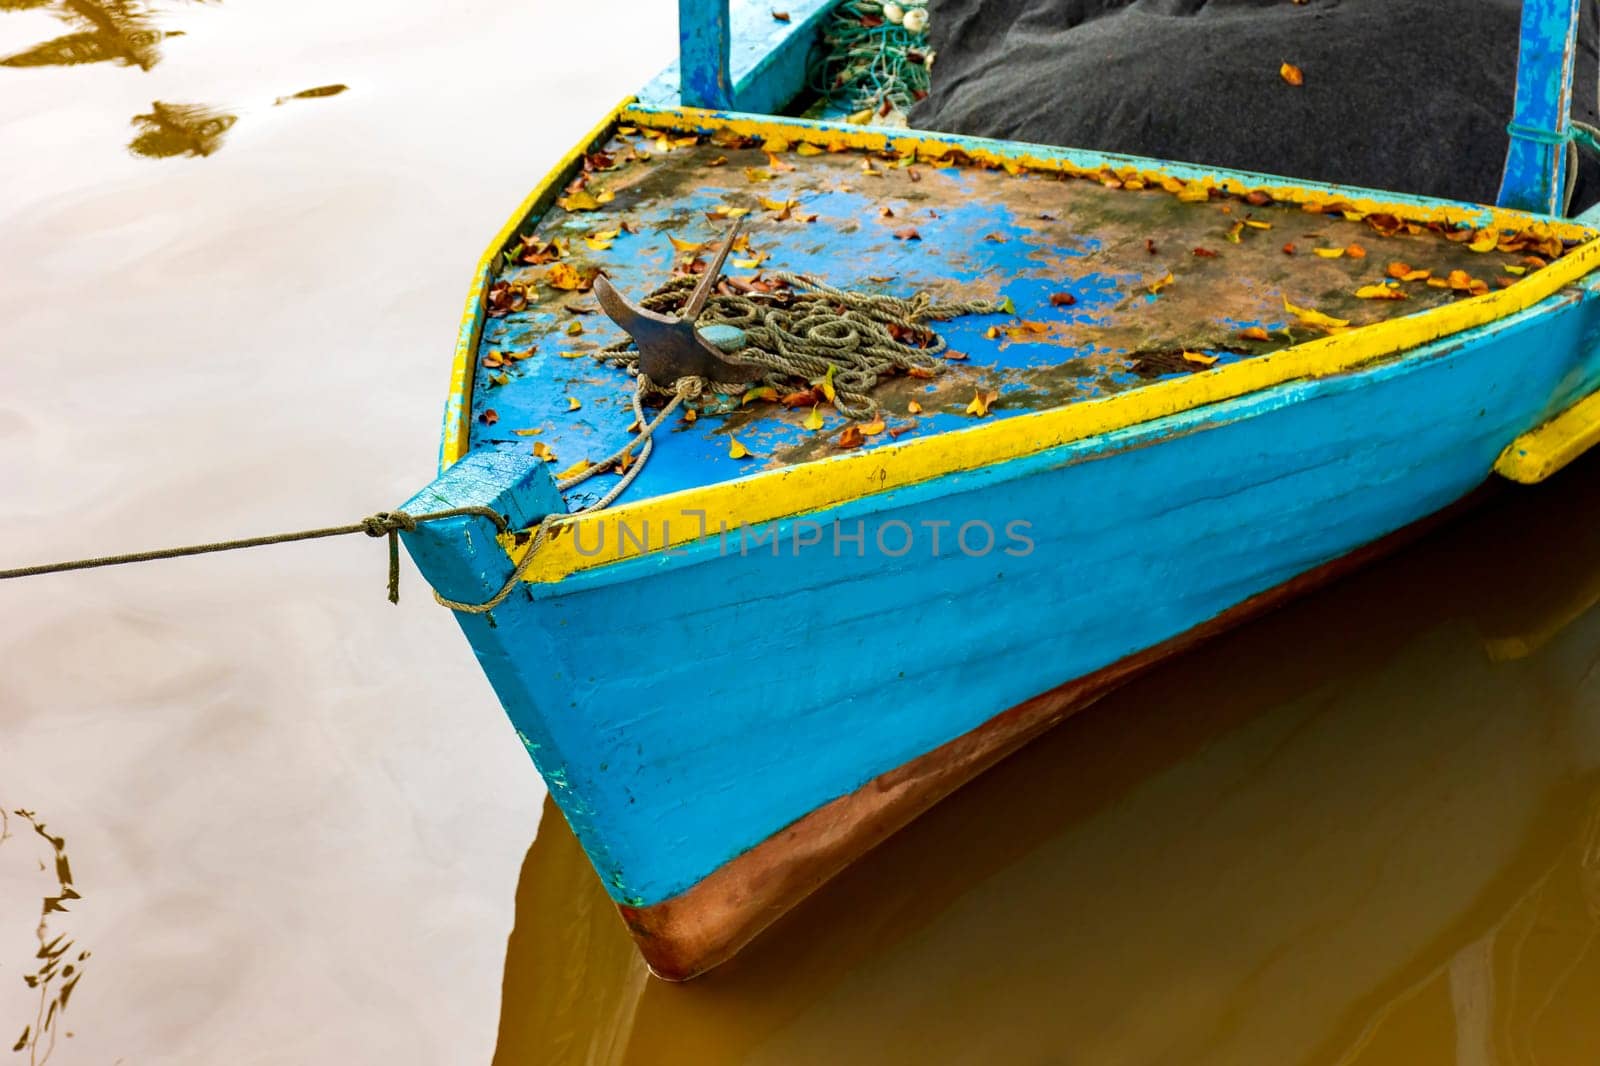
[783, 493]
[458, 413]
[1540, 452]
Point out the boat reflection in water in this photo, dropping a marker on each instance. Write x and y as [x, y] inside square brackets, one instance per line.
[1365, 829]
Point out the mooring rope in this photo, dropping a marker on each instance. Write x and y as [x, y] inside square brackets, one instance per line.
[391, 524]
[805, 328]
[383, 524]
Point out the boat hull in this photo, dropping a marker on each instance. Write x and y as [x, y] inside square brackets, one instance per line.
[727, 724]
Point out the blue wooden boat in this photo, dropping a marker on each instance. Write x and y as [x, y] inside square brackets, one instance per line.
[788, 633]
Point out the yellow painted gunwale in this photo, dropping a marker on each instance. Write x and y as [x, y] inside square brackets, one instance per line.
[776, 494]
[1540, 452]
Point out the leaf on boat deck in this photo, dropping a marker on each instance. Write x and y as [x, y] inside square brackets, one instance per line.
[850, 438]
[1288, 249]
[583, 200]
[908, 234]
[955, 356]
[756, 174]
[597, 245]
[809, 149]
[737, 450]
[1204, 253]
[1517, 270]
[492, 360]
[688, 247]
[1380, 292]
[724, 211]
[781, 209]
[781, 16]
[750, 264]
[568, 278]
[573, 404]
[1232, 236]
[574, 470]
[1254, 333]
[1160, 283]
[765, 392]
[489, 416]
[873, 428]
[1329, 253]
[1062, 299]
[1255, 223]
[1355, 251]
[1406, 272]
[777, 165]
[980, 403]
[1310, 317]
[813, 421]
[528, 432]
[1485, 241]
[574, 328]
[1292, 74]
[720, 161]
[1150, 245]
[914, 408]
[690, 414]
[1199, 357]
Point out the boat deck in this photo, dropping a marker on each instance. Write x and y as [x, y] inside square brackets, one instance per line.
[1118, 278]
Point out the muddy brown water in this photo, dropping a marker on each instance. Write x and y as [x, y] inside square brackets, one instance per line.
[270, 818]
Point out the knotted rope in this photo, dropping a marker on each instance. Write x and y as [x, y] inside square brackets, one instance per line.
[806, 327]
[391, 524]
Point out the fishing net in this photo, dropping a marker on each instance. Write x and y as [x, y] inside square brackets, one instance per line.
[875, 59]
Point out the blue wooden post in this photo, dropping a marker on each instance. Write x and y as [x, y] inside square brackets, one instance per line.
[705, 73]
[1536, 165]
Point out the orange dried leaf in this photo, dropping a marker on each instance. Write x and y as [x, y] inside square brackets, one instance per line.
[1292, 74]
[1254, 333]
[1200, 358]
[914, 408]
[980, 403]
[873, 428]
[851, 437]
[766, 393]
[489, 416]
[1484, 241]
[1355, 251]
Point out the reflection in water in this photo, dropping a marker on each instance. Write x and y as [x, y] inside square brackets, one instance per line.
[1356, 832]
[58, 963]
[110, 30]
[312, 94]
[179, 129]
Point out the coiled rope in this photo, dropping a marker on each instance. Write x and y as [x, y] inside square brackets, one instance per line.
[805, 328]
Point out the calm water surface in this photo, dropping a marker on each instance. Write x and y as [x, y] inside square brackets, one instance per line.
[1363, 831]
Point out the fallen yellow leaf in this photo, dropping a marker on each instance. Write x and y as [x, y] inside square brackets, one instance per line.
[1314, 318]
[809, 149]
[686, 246]
[827, 385]
[541, 450]
[582, 200]
[914, 407]
[980, 403]
[1380, 292]
[574, 470]
[814, 419]
[573, 404]
[737, 450]
[1329, 253]
[1161, 282]
[766, 392]
[754, 174]
[873, 428]
[1199, 357]
[1485, 241]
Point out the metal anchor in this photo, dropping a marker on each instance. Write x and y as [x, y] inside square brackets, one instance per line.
[672, 346]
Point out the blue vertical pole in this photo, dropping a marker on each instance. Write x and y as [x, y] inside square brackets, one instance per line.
[1541, 126]
[703, 66]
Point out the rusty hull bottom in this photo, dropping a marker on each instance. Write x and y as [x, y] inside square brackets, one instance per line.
[706, 925]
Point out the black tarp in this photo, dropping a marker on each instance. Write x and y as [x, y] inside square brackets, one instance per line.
[1408, 95]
